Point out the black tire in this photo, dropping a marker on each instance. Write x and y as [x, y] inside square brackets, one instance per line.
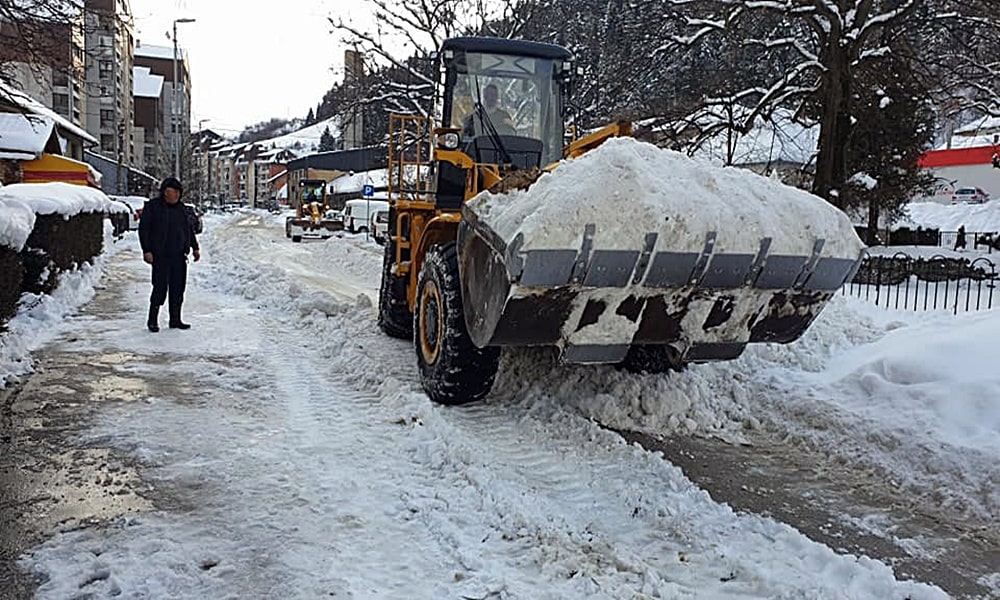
[452, 369]
[296, 238]
[652, 358]
[394, 316]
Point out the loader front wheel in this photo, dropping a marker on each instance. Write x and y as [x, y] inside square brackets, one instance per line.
[394, 317]
[452, 369]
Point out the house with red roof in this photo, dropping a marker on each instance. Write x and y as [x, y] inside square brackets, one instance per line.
[968, 160]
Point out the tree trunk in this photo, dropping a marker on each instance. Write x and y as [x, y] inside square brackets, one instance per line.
[871, 235]
[835, 129]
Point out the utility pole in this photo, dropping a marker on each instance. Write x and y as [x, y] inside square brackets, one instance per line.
[175, 112]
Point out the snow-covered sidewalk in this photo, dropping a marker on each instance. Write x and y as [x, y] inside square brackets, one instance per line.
[293, 454]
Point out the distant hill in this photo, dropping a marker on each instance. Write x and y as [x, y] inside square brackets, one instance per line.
[289, 135]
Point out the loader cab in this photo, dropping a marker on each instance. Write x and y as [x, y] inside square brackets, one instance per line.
[311, 190]
[525, 126]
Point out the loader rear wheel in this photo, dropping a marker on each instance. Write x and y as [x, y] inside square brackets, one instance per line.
[394, 316]
[452, 369]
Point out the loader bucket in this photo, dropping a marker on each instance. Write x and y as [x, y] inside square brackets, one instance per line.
[633, 246]
[596, 303]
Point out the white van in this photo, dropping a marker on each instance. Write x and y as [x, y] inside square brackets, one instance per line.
[380, 225]
[358, 213]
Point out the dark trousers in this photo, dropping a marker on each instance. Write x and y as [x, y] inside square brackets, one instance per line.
[169, 277]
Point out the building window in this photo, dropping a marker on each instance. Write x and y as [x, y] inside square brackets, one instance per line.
[105, 69]
[60, 103]
[60, 78]
[107, 117]
[108, 143]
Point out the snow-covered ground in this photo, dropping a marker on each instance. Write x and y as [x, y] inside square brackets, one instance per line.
[321, 469]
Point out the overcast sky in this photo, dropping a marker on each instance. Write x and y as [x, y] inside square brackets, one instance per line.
[251, 62]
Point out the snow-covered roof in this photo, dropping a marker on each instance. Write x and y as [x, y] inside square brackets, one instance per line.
[145, 84]
[158, 52]
[984, 125]
[353, 182]
[276, 177]
[969, 141]
[24, 137]
[33, 106]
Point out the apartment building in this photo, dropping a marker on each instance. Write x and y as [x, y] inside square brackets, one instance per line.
[109, 42]
[52, 70]
[149, 140]
[268, 164]
[176, 97]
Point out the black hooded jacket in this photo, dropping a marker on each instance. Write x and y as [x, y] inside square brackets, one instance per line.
[164, 229]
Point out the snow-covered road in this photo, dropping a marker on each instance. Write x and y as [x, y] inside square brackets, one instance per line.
[292, 454]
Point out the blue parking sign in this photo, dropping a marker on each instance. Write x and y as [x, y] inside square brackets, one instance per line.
[368, 190]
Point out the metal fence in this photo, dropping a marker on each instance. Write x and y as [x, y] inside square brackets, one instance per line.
[905, 282]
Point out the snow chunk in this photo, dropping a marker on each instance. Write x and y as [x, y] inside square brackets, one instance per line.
[629, 188]
[16, 222]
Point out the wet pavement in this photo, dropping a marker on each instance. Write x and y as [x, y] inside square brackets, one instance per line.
[851, 511]
[52, 478]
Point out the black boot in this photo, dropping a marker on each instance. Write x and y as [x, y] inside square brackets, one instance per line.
[154, 313]
[175, 319]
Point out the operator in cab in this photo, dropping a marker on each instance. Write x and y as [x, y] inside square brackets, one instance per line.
[491, 110]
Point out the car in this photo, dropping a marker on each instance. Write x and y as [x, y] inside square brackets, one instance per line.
[380, 226]
[135, 204]
[194, 218]
[970, 195]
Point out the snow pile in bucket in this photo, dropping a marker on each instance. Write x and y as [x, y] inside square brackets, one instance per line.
[628, 188]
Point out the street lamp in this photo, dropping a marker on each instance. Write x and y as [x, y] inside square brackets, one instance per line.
[176, 105]
[208, 162]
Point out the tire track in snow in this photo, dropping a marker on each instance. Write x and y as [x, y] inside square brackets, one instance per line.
[546, 493]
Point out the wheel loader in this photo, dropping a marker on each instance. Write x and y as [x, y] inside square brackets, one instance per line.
[462, 286]
[312, 213]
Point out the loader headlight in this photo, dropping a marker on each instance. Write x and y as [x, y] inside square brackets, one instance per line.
[448, 141]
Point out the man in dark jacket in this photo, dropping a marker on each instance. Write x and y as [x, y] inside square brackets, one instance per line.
[166, 237]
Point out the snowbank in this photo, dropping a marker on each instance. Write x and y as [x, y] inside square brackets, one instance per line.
[949, 217]
[629, 188]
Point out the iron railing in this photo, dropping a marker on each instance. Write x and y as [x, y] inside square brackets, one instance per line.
[905, 282]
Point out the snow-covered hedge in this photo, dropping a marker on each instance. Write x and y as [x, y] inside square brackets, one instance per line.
[46, 228]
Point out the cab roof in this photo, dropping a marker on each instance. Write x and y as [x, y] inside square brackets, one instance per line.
[494, 45]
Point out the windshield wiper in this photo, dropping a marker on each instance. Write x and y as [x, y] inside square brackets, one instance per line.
[487, 124]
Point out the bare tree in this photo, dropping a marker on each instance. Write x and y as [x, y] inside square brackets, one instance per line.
[37, 33]
[829, 42]
[398, 51]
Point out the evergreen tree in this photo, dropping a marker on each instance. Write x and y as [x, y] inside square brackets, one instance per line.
[311, 117]
[326, 141]
[895, 125]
